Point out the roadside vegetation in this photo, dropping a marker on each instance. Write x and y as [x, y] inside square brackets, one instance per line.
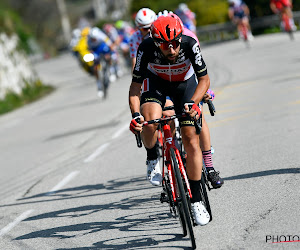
[30, 92]
[11, 23]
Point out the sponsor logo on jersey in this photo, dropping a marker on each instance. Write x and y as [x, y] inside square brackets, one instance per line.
[138, 60]
[157, 61]
[136, 76]
[177, 69]
[150, 99]
[189, 123]
[198, 54]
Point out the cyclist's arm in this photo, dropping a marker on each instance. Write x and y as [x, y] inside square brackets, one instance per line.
[202, 87]
[230, 14]
[273, 8]
[134, 97]
[246, 10]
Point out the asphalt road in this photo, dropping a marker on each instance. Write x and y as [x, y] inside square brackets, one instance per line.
[73, 178]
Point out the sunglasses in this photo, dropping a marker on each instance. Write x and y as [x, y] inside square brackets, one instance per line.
[145, 29]
[167, 45]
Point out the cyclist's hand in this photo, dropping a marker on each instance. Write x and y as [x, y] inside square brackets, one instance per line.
[209, 95]
[192, 110]
[136, 123]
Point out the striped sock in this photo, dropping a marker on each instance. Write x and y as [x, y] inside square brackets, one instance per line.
[208, 160]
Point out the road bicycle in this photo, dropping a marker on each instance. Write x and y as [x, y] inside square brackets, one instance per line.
[103, 64]
[243, 33]
[176, 188]
[104, 73]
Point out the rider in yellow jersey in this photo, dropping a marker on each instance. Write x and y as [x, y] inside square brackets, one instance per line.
[81, 49]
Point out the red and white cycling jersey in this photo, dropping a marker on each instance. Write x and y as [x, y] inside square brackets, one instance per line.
[281, 3]
[150, 59]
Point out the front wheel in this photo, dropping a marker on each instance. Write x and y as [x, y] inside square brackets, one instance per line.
[182, 202]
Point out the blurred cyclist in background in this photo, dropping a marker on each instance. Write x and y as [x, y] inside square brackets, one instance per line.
[101, 46]
[283, 7]
[239, 14]
[125, 31]
[80, 49]
[187, 17]
[111, 31]
[76, 34]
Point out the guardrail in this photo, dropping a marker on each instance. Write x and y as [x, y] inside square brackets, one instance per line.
[227, 31]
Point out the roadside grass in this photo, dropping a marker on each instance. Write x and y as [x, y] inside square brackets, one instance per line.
[30, 93]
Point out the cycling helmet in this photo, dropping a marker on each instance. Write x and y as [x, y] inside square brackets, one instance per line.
[119, 24]
[144, 18]
[235, 2]
[166, 29]
[94, 33]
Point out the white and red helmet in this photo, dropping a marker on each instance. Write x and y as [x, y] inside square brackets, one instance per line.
[144, 18]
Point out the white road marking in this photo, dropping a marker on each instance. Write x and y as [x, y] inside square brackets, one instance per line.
[97, 152]
[63, 182]
[120, 131]
[11, 225]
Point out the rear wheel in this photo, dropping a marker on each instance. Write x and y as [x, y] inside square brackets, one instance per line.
[182, 201]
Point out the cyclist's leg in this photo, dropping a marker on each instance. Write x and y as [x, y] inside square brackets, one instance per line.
[151, 108]
[193, 152]
[170, 113]
[205, 144]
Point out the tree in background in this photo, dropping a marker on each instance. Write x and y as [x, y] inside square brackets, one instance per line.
[207, 12]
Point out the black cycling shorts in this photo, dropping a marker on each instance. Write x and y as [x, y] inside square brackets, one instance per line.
[155, 89]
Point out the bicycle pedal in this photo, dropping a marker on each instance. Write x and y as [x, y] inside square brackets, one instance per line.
[163, 197]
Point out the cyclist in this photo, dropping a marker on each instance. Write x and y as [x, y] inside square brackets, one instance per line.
[213, 176]
[125, 31]
[81, 49]
[281, 7]
[100, 45]
[187, 17]
[238, 13]
[76, 34]
[169, 64]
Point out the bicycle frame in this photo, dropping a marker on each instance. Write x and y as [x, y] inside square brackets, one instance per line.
[168, 143]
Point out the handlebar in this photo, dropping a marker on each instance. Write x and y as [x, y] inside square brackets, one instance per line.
[161, 120]
[165, 120]
[211, 107]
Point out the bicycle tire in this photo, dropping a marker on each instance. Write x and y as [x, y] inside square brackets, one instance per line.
[180, 212]
[183, 198]
[203, 194]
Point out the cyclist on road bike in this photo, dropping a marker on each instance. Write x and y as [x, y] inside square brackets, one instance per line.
[213, 176]
[100, 45]
[169, 64]
[81, 49]
[283, 7]
[239, 14]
